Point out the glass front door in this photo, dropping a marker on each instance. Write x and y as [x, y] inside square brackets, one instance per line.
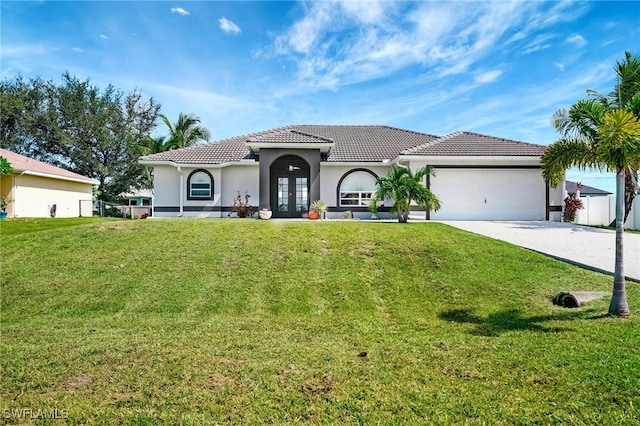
[289, 186]
[292, 196]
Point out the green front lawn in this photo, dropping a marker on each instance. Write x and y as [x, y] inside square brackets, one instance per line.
[247, 321]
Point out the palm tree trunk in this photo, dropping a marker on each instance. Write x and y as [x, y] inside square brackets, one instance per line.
[619, 304]
[631, 186]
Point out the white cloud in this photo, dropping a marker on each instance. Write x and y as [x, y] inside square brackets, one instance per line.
[488, 77]
[77, 49]
[228, 26]
[340, 43]
[370, 11]
[179, 11]
[577, 39]
[104, 37]
[559, 65]
[538, 43]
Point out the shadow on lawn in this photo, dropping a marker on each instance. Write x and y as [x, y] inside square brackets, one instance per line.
[512, 320]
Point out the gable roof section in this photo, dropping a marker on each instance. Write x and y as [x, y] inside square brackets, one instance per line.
[26, 165]
[347, 143]
[289, 138]
[475, 144]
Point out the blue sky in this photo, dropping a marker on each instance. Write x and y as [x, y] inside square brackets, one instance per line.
[501, 68]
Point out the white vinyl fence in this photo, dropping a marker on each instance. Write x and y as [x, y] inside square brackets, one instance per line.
[601, 211]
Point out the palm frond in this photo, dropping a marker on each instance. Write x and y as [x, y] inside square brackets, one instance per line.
[565, 153]
[627, 80]
[619, 138]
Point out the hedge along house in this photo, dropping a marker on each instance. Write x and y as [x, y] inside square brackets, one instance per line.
[41, 190]
[478, 177]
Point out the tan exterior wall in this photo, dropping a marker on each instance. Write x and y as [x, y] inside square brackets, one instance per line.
[6, 189]
[34, 196]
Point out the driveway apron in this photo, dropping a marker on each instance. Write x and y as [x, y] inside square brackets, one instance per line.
[589, 247]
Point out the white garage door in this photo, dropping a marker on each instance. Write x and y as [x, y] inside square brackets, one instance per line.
[489, 194]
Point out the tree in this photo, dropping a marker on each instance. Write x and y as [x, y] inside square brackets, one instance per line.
[185, 132]
[584, 116]
[27, 123]
[602, 133]
[80, 127]
[403, 186]
[5, 167]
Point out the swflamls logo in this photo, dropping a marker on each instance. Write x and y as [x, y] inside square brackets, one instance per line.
[29, 413]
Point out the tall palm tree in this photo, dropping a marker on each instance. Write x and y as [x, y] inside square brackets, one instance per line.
[403, 185]
[602, 133]
[185, 132]
[583, 116]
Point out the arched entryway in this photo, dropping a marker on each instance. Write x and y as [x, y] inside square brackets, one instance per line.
[289, 186]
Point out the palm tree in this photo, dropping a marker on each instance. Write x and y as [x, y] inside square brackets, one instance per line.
[403, 185]
[151, 145]
[602, 133]
[583, 116]
[185, 132]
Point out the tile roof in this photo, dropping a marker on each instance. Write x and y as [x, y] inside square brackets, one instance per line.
[353, 143]
[20, 163]
[289, 135]
[476, 144]
[584, 189]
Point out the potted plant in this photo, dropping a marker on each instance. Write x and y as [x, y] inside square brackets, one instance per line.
[265, 213]
[5, 200]
[317, 210]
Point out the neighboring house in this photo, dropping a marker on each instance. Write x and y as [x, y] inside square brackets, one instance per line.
[585, 191]
[42, 190]
[478, 177]
[137, 197]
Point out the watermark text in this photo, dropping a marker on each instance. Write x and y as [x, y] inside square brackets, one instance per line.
[29, 413]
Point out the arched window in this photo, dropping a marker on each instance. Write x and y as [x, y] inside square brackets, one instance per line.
[357, 187]
[200, 185]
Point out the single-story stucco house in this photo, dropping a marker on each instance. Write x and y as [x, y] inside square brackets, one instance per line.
[585, 190]
[478, 177]
[41, 190]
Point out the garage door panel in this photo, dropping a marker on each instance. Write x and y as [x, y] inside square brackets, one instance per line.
[489, 194]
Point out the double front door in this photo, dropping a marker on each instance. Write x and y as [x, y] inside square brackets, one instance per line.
[289, 195]
[289, 186]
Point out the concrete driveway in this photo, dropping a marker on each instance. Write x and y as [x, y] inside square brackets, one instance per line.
[592, 248]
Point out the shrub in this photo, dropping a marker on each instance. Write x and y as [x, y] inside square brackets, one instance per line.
[572, 204]
[242, 209]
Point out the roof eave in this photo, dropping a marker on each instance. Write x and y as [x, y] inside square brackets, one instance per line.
[241, 162]
[87, 181]
[324, 147]
[474, 159]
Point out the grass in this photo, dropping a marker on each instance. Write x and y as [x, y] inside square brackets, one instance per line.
[16, 226]
[613, 228]
[246, 321]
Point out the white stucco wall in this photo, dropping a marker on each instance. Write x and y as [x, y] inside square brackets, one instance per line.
[243, 178]
[34, 196]
[166, 184]
[227, 181]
